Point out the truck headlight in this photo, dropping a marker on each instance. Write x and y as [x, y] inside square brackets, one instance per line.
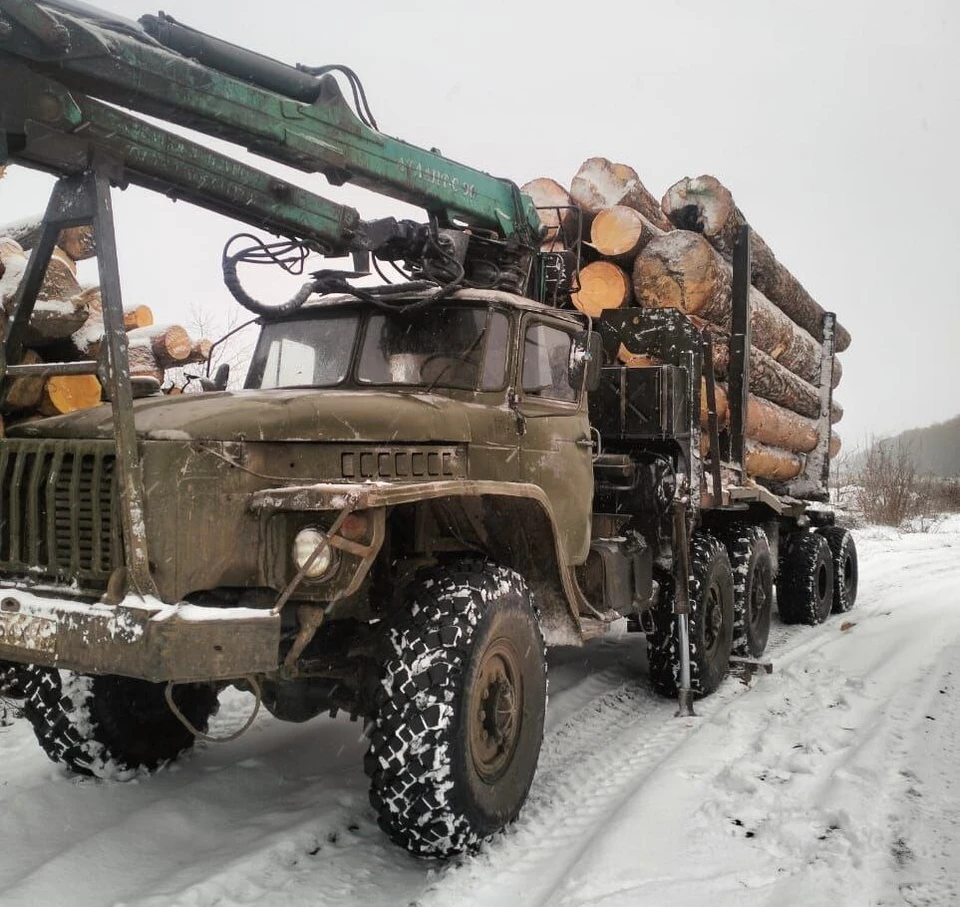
[304, 544]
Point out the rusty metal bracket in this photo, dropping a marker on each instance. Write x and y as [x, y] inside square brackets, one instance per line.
[291, 587]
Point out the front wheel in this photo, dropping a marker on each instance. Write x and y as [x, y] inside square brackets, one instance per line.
[460, 710]
[109, 726]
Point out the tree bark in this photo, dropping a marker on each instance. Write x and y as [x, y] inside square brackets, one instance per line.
[600, 184]
[69, 393]
[768, 378]
[55, 320]
[558, 215]
[705, 205]
[603, 285]
[772, 463]
[59, 282]
[77, 242]
[682, 270]
[143, 363]
[767, 422]
[170, 344]
[24, 393]
[620, 233]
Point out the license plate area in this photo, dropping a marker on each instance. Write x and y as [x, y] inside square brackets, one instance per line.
[24, 631]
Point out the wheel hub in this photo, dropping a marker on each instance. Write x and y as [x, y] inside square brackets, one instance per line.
[497, 714]
[714, 619]
[758, 597]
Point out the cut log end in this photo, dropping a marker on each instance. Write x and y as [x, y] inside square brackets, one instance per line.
[69, 393]
[603, 285]
[621, 232]
[556, 207]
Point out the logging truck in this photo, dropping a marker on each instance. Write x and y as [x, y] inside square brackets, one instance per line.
[419, 485]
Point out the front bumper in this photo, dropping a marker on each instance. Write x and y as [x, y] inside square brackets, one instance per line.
[140, 637]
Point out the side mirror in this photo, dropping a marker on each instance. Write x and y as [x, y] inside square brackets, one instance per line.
[219, 381]
[586, 360]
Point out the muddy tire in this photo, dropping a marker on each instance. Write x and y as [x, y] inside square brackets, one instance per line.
[112, 727]
[711, 624]
[805, 583]
[753, 571]
[846, 574]
[460, 710]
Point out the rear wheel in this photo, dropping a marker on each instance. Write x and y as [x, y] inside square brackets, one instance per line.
[753, 571]
[110, 726]
[805, 584]
[711, 624]
[846, 573]
[460, 710]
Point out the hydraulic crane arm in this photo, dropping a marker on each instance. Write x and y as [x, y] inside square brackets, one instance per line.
[275, 110]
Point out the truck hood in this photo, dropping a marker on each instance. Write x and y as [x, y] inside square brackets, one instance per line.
[274, 415]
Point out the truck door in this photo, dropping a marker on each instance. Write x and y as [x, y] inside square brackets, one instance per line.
[556, 451]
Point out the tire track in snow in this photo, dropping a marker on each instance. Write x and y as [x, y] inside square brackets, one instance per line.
[596, 759]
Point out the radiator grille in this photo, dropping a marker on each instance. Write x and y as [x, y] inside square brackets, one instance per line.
[58, 510]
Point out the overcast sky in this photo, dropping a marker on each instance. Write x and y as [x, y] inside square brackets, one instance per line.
[835, 124]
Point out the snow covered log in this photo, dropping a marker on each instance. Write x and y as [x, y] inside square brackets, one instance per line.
[603, 285]
[600, 183]
[558, 214]
[768, 378]
[24, 393]
[59, 283]
[705, 205]
[171, 344]
[77, 242]
[771, 463]
[55, 320]
[682, 270]
[620, 233]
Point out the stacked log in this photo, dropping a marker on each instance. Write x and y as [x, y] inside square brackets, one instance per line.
[677, 254]
[67, 325]
[705, 205]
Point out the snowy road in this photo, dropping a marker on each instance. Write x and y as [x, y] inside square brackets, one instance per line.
[831, 781]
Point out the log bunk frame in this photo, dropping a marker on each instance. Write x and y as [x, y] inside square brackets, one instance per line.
[77, 201]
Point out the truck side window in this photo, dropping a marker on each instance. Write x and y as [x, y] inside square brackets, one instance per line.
[546, 363]
[495, 361]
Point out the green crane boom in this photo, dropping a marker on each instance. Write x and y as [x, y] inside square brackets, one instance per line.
[79, 71]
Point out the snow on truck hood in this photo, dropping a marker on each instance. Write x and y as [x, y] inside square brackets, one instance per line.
[306, 414]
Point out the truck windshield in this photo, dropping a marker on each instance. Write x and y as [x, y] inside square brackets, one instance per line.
[461, 347]
[444, 347]
[310, 352]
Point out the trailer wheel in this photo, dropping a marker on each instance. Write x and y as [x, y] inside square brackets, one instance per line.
[460, 710]
[753, 572]
[846, 573]
[805, 584]
[711, 623]
[109, 726]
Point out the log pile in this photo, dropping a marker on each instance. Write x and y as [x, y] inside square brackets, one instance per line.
[67, 325]
[677, 253]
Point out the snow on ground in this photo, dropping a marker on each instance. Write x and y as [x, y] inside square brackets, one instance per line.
[831, 781]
